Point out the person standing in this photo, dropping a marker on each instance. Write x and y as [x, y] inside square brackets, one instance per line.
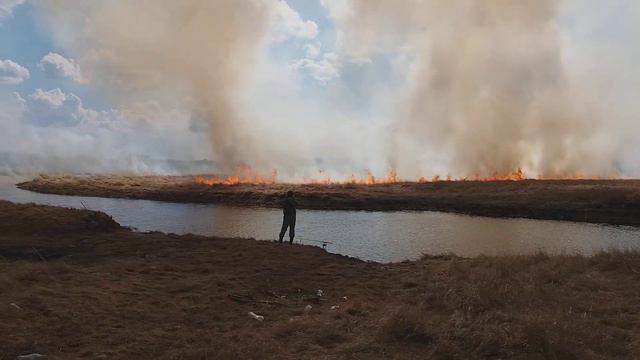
[289, 217]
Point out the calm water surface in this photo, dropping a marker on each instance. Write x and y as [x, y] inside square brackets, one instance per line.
[378, 236]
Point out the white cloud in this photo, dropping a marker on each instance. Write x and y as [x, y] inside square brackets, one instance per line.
[287, 23]
[323, 69]
[338, 9]
[7, 6]
[12, 73]
[57, 66]
[55, 108]
[312, 51]
[60, 134]
[52, 108]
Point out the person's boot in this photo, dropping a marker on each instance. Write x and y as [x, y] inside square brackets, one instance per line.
[291, 241]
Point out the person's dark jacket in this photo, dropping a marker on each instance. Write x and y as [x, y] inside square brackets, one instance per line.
[289, 207]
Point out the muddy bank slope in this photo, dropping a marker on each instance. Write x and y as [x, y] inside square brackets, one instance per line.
[88, 288]
[597, 201]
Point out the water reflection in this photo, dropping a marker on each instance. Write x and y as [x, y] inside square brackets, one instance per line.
[378, 236]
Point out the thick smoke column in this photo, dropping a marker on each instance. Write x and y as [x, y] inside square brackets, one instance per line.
[193, 52]
[488, 85]
[487, 88]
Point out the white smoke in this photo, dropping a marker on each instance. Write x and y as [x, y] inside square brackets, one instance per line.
[481, 87]
[488, 87]
[196, 51]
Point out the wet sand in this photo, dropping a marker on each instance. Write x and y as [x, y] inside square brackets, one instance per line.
[77, 285]
[596, 201]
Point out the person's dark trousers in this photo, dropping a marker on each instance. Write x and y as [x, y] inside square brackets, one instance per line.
[288, 223]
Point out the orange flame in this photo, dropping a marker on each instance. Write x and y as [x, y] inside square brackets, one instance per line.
[244, 175]
[241, 175]
[517, 175]
[369, 179]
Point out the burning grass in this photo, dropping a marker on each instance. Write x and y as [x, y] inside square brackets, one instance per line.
[598, 201]
[113, 293]
[244, 175]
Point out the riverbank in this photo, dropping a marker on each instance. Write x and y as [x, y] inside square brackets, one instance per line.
[614, 202]
[77, 285]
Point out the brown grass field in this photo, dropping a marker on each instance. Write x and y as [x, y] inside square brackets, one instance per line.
[75, 285]
[598, 201]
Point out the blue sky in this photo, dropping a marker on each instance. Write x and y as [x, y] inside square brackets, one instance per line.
[26, 41]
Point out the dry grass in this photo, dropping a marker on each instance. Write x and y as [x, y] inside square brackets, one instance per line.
[120, 295]
[597, 201]
[33, 219]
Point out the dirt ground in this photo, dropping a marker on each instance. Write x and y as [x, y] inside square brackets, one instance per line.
[74, 284]
[598, 201]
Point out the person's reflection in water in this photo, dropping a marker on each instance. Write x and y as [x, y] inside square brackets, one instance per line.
[289, 217]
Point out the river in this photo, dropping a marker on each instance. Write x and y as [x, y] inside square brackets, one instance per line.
[377, 236]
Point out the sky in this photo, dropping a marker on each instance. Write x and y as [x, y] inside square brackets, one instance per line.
[310, 87]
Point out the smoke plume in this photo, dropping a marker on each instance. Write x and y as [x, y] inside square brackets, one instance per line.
[480, 87]
[193, 52]
[488, 86]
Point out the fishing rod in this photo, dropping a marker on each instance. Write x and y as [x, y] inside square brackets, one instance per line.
[324, 243]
